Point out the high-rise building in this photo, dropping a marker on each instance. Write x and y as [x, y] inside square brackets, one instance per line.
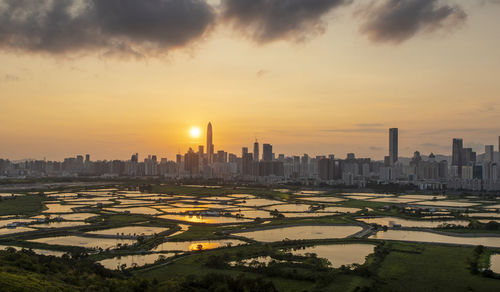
[489, 153]
[244, 151]
[267, 152]
[191, 163]
[468, 156]
[210, 145]
[393, 145]
[456, 155]
[246, 162]
[256, 154]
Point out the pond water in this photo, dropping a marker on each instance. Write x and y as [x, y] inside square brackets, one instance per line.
[393, 200]
[390, 221]
[89, 200]
[306, 215]
[62, 195]
[300, 232]
[254, 213]
[259, 202]
[77, 216]
[422, 236]
[196, 245]
[6, 195]
[205, 219]
[3, 223]
[241, 196]
[176, 209]
[133, 202]
[359, 197]
[340, 209]
[130, 231]
[488, 215]
[447, 203]
[183, 227]
[493, 206]
[5, 231]
[289, 208]
[137, 210]
[62, 224]
[133, 260]
[339, 254]
[260, 260]
[495, 263]
[423, 197]
[58, 208]
[87, 242]
[67, 216]
[45, 252]
[322, 199]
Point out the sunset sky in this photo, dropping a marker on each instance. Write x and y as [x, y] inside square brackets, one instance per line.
[314, 76]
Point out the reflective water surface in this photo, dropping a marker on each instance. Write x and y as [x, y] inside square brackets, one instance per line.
[390, 221]
[197, 245]
[300, 232]
[130, 261]
[422, 236]
[339, 254]
[87, 242]
[130, 231]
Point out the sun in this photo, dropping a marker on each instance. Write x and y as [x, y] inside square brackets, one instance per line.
[195, 132]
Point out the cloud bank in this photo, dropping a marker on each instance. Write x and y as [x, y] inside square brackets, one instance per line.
[269, 20]
[395, 21]
[131, 27]
[145, 28]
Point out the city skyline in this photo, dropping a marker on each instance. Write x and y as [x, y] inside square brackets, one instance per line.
[346, 83]
[459, 151]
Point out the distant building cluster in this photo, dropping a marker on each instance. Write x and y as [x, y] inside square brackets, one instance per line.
[464, 170]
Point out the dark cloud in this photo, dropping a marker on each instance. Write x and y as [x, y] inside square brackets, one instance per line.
[127, 27]
[269, 20]
[395, 21]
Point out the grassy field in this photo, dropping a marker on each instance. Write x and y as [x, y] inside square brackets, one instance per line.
[425, 267]
[22, 205]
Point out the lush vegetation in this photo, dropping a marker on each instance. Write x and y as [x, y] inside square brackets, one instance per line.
[21, 205]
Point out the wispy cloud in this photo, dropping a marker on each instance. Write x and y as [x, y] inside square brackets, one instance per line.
[11, 78]
[461, 130]
[356, 130]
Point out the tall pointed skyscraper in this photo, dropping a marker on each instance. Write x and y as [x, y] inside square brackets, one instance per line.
[210, 145]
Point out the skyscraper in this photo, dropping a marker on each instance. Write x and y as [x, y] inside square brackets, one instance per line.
[393, 145]
[456, 155]
[489, 153]
[267, 152]
[256, 151]
[210, 145]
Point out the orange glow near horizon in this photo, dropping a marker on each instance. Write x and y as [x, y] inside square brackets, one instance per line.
[336, 93]
[195, 132]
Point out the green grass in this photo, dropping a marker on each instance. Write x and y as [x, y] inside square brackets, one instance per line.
[22, 205]
[431, 268]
